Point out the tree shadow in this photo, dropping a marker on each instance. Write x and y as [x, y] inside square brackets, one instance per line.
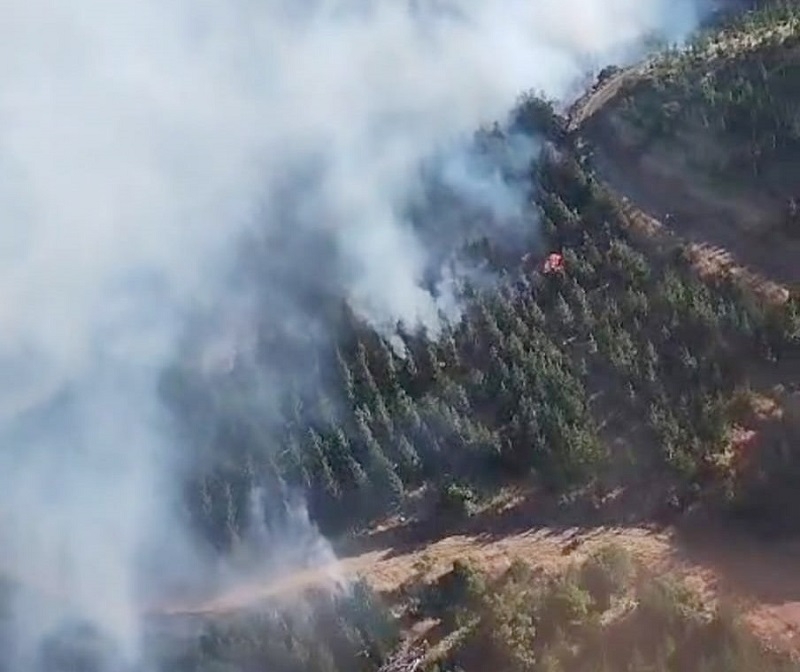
[638, 505]
[739, 562]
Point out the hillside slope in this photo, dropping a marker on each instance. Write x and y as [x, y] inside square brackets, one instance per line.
[643, 395]
[706, 138]
[669, 205]
[721, 565]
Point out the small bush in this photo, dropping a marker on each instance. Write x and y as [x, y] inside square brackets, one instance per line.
[669, 604]
[456, 499]
[606, 574]
[566, 606]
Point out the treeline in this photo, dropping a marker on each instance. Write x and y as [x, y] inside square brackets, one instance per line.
[604, 614]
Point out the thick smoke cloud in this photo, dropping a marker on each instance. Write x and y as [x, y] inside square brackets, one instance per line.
[140, 143]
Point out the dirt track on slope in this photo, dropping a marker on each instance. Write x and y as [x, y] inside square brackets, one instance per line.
[760, 580]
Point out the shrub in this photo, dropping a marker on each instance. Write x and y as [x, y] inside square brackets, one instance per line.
[606, 574]
[457, 500]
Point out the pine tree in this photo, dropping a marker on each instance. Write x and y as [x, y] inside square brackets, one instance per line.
[347, 469]
[367, 388]
[380, 471]
[387, 369]
[408, 459]
[382, 424]
[292, 463]
[563, 314]
[346, 377]
[322, 474]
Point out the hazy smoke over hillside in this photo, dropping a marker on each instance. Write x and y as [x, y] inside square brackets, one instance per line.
[139, 141]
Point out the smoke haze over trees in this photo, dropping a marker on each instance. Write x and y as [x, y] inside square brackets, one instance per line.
[229, 206]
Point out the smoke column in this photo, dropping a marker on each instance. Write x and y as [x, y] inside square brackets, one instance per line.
[139, 141]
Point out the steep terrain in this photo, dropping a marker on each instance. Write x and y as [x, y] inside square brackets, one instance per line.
[669, 205]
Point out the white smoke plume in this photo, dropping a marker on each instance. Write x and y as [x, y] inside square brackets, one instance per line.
[139, 141]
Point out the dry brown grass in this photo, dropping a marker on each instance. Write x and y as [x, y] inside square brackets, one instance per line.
[760, 580]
